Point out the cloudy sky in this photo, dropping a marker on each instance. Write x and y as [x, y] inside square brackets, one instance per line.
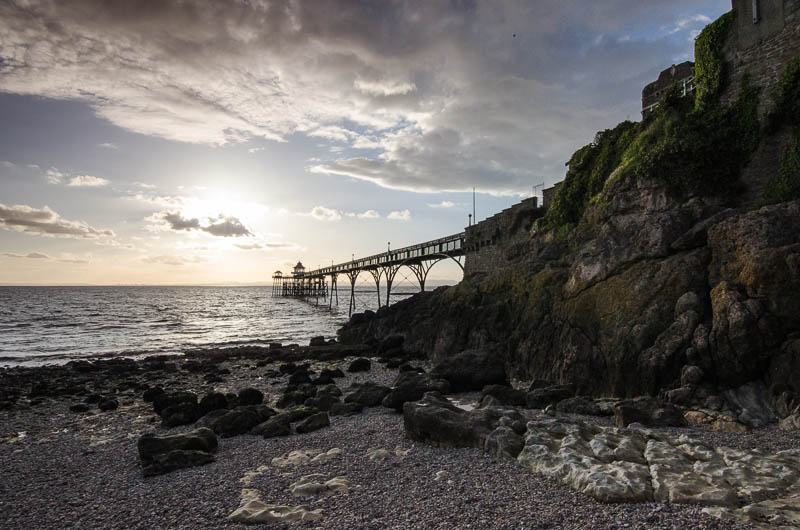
[150, 141]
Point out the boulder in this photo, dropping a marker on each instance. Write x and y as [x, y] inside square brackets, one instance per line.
[504, 442]
[79, 407]
[322, 401]
[212, 401]
[317, 341]
[505, 395]
[335, 373]
[471, 370]
[411, 386]
[180, 414]
[346, 409]
[162, 454]
[299, 377]
[578, 405]
[300, 413]
[150, 394]
[240, 420]
[313, 423]
[360, 365]
[539, 398]
[276, 426]
[331, 389]
[250, 396]
[751, 404]
[436, 421]
[368, 394]
[648, 412]
[790, 422]
[108, 404]
[691, 375]
[162, 401]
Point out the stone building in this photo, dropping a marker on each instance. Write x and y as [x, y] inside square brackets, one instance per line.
[764, 39]
[680, 74]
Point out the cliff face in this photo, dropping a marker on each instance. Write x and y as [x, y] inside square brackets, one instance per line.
[656, 284]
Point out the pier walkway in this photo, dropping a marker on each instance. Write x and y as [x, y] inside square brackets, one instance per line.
[322, 283]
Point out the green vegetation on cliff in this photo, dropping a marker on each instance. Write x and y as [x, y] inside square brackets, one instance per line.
[694, 146]
[786, 112]
[709, 64]
[588, 170]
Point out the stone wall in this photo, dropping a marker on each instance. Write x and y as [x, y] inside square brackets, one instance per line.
[761, 49]
[494, 244]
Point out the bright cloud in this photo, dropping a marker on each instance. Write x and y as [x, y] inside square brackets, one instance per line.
[54, 176]
[46, 222]
[443, 204]
[326, 214]
[369, 214]
[67, 258]
[87, 181]
[404, 215]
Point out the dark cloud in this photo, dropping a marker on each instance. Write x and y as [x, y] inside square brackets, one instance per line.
[222, 226]
[227, 227]
[46, 222]
[177, 222]
[447, 95]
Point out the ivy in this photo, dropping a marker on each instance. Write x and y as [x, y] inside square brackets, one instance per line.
[589, 168]
[786, 97]
[709, 67]
[786, 185]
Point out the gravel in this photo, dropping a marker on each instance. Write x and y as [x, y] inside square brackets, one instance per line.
[76, 471]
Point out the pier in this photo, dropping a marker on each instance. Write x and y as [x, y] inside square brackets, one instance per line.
[322, 284]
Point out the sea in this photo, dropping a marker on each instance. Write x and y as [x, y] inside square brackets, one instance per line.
[54, 325]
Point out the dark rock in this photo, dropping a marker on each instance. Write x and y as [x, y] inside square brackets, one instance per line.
[505, 395]
[317, 341]
[213, 378]
[541, 397]
[300, 413]
[368, 394]
[180, 414]
[411, 386]
[93, 399]
[679, 396]
[648, 412]
[162, 454]
[333, 374]
[299, 377]
[405, 367]
[79, 407]
[250, 396]
[436, 421]
[359, 365]
[394, 363]
[287, 368]
[276, 426]
[313, 423]
[108, 404]
[212, 401]
[539, 383]
[323, 379]
[751, 404]
[471, 370]
[321, 401]
[691, 375]
[346, 409]
[240, 420]
[504, 442]
[330, 389]
[150, 394]
[296, 395]
[391, 343]
[578, 405]
[162, 401]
